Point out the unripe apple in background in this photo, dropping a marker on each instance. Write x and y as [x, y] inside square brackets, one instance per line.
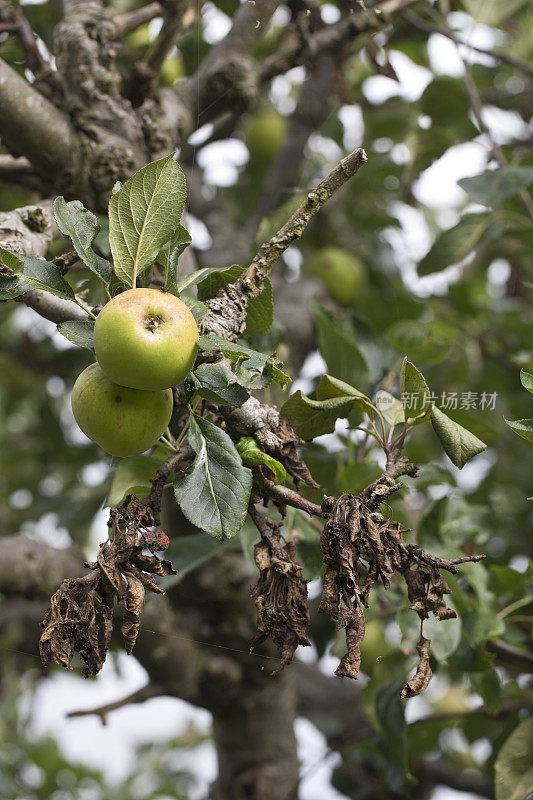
[124, 422]
[264, 133]
[145, 339]
[342, 274]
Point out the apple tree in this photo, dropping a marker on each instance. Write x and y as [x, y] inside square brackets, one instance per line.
[376, 512]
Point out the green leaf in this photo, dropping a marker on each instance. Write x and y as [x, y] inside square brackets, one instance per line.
[414, 390]
[253, 370]
[312, 418]
[187, 553]
[494, 186]
[391, 408]
[260, 312]
[215, 490]
[308, 552]
[455, 244]
[133, 475]
[219, 384]
[36, 273]
[329, 387]
[277, 218]
[487, 684]
[526, 379]
[428, 342]
[198, 276]
[76, 221]
[513, 767]
[445, 636]
[217, 279]
[253, 456]
[172, 250]
[459, 444]
[79, 332]
[339, 349]
[199, 310]
[523, 427]
[356, 475]
[492, 13]
[143, 215]
[390, 713]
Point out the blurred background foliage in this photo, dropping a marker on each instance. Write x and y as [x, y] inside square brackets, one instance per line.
[446, 283]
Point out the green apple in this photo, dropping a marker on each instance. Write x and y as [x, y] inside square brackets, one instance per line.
[264, 134]
[124, 422]
[341, 272]
[145, 339]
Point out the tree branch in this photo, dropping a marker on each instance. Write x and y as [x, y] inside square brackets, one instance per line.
[311, 111]
[139, 696]
[270, 251]
[32, 126]
[144, 73]
[333, 36]
[228, 77]
[126, 23]
[499, 55]
[30, 230]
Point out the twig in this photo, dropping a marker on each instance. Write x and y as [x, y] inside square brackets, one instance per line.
[139, 696]
[144, 73]
[506, 709]
[500, 55]
[291, 498]
[270, 251]
[13, 20]
[477, 109]
[126, 23]
[331, 37]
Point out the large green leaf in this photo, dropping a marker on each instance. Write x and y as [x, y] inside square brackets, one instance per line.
[199, 276]
[414, 390]
[390, 407]
[260, 312]
[312, 418]
[170, 252]
[523, 427]
[78, 331]
[329, 387]
[514, 766]
[216, 279]
[492, 13]
[494, 186]
[76, 221]
[339, 348]
[390, 714]
[216, 382]
[32, 273]
[187, 553]
[455, 244]
[526, 379]
[459, 444]
[215, 490]
[253, 370]
[133, 475]
[428, 342]
[144, 215]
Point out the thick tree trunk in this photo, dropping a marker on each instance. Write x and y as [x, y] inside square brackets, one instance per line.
[255, 742]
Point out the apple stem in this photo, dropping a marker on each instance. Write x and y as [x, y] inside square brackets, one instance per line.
[168, 444]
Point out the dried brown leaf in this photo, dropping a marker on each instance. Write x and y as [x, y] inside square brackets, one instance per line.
[420, 680]
[351, 660]
[133, 601]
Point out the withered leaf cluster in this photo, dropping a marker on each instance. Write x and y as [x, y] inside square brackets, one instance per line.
[281, 592]
[361, 547]
[80, 617]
